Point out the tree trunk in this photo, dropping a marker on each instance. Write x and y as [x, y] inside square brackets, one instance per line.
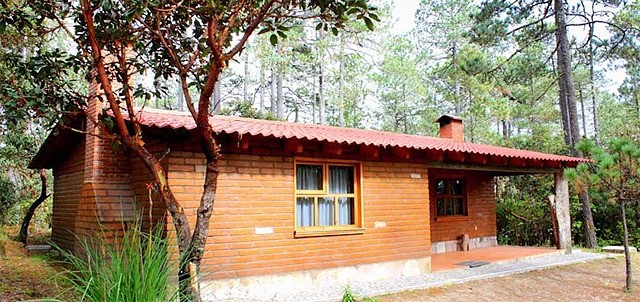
[24, 227]
[245, 82]
[627, 256]
[314, 93]
[180, 97]
[262, 87]
[551, 201]
[567, 98]
[505, 129]
[583, 117]
[569, 111]
[456, 97]
[341, 84]
[321, 104]
[274, 81]
[280, 94]
[217, 97]
[592, 85]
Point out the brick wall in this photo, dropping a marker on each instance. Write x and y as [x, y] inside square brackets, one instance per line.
[481, 221]
[140, 177]
[67, 185]
[257, 191]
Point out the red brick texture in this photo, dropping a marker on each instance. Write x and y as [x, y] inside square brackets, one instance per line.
[258, 191]
[481, 219]
[67, 186]
[453, 130]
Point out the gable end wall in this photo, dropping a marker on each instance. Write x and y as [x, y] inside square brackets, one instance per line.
[67, 187]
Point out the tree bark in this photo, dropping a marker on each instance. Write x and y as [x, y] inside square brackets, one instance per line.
[592, 85]
[180, 97]
[24, 227]
[583, 117]
[569, 111]
[456, 89]
[245, 82]
[262, 87]
[551, 201]
[280, 93]
[321, 105]
[217, 97]
[341, 120]
[567, 98]
[627, 256]
[274, 80]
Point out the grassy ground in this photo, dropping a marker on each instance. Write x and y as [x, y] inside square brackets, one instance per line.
[30, 277]
[601, 280]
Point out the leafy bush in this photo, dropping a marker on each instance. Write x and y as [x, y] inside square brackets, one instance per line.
[349, 296]
[522, 212]
[136, 268]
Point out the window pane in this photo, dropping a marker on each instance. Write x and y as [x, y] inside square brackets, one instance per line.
[440, 206]
[340, 180]
[448, 206]
[457, 187]
[325, 211]
[309, 177]
[440, 186]
[346, 210]
[304, 211]
[459, 202]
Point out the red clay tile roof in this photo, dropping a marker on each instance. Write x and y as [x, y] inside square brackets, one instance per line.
[286, 130]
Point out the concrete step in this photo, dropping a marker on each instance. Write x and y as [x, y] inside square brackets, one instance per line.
[618, 249]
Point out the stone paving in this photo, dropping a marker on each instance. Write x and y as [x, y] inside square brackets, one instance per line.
[334, 293]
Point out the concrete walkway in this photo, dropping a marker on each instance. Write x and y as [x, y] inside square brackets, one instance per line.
[334, 293]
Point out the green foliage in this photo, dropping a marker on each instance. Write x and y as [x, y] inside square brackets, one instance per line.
[19, 186]
[245, 109]
[136, 268]
[522, 210]
[614, 180]
[349, 296]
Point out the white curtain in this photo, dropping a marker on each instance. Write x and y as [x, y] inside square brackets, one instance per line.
[326, 211]
[308, 177]
[304, 211]
[341, 182]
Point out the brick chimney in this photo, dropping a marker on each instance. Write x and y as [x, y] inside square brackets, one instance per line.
[451, 127]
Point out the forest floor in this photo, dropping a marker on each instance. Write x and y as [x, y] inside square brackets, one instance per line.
[30, 277]
[599, 280]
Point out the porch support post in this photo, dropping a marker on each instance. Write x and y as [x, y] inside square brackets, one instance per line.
[562, 212]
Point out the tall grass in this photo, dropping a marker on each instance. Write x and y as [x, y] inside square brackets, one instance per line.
[136, 268]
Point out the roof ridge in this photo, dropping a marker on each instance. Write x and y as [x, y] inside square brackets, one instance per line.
[284, 123]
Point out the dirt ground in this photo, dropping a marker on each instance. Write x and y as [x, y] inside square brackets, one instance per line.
[30, 277]
[600, 280]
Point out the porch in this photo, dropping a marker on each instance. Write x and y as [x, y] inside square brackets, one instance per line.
[487, 255]
[537, 259]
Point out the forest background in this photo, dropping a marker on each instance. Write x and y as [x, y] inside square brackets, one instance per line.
[492, 63]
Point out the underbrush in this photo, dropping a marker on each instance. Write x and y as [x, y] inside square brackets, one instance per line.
[136, 268]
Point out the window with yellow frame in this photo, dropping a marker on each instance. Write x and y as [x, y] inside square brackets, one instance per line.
[327, 195]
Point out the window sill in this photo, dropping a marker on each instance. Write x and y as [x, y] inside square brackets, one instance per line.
[452, 218]
[302, 233]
